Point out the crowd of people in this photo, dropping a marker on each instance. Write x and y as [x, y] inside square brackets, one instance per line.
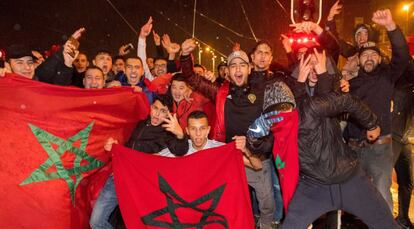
[354, 123]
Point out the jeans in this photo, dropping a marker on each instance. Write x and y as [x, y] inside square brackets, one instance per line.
[261, 182]
[404, 170]
[277, 195]
[357, 196]
[104, 206]
[377, 161]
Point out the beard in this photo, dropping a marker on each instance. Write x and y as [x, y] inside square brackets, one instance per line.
[369, 66]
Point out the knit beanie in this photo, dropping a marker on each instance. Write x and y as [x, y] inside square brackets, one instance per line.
[277, 92]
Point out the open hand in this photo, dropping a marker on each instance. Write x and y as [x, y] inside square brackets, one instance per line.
[304, 68]
[261, 126]
[172, 125]
[320, 66]
[188, 46]
[146, 29]
[335, 10]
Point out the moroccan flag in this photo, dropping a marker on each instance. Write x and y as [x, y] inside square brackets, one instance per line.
[206, 190]
[52, 162]
[285, 152]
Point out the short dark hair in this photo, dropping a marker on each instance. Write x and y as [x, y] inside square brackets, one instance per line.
[197, 115]
[165, 100]
[134, 57]
[103, 52]
[262, 42]
[118, 57]
[160, 58]
[179, 77]
[95, 68]
[82, 53]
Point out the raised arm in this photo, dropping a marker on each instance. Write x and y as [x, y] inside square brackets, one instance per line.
[400, 55]
[142, 47]
[197, 82]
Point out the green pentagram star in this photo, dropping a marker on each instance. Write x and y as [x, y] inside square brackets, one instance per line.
[175, 202]
[46, 139]
[280, 164]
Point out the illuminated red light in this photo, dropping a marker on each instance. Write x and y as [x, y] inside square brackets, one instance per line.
[305, 40]
[299, 40]
[291, 40]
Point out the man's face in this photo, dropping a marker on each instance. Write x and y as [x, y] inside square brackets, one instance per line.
[239, 71]
[150, 62]
[104, 62]
[369, 60]
[94, 79]
[199, 71]
[119, 66]
[361, 37]
[23, 66]
[158, 113]
[133, 70]
[81, 63]
[198, 130]
[178, 90]
[262, 57]
[223, 72]
[160, 67]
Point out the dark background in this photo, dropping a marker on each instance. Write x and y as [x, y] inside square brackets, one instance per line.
[41, 24]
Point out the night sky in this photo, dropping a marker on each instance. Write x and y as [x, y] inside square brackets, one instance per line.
[43, 23]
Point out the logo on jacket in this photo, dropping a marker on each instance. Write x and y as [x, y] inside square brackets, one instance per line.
[251, 97]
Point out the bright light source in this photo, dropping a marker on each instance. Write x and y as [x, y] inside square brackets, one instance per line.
[313, 39]
[208, 49]
[291, 40]
[305, 40]
[299, 40]
[406, 7]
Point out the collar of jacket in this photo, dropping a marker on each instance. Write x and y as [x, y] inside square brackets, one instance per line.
[239, 90]
[141, 82]
[265, 73]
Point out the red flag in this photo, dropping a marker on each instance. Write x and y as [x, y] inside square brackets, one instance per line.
[52, 141]
[285, 152]
[207, 189]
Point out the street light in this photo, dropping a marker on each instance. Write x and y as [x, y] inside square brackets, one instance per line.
[199, 54]
[214, 61]
[406, 7]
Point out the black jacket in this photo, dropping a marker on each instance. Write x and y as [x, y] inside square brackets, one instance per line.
[240, 112]
[376, 88]
[323, 155]
[243, 104]
[403, 104]
[54, 70]
[152, 139]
